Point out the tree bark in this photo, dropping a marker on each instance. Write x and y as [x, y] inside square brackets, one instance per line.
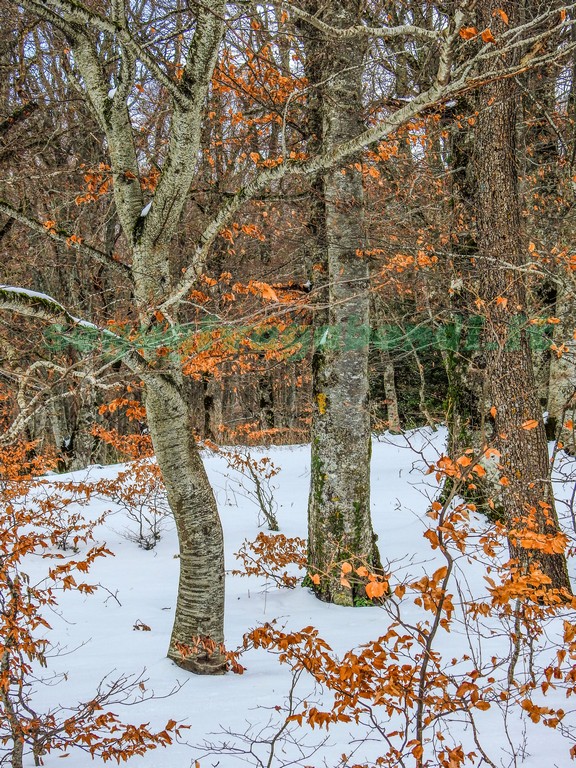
[198, 621]
[526, 496]
[390, 394]
[198, 628]
[561, 404]
[339, 523]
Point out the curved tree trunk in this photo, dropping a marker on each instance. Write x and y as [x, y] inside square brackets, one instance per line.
[198, 622]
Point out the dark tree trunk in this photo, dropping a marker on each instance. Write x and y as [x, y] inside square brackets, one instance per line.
[526, 495]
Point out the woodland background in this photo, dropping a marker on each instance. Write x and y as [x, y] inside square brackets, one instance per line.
[260, 224]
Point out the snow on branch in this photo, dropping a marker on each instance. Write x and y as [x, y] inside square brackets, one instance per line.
[23, 301]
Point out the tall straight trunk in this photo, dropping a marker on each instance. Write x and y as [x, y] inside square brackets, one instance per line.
[526, 495]
[545, 170]
[464, 399]
[339, 523]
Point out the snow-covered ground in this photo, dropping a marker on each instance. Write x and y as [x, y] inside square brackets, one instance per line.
[97, 638]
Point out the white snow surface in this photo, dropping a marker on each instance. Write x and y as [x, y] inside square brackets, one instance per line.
[146, 210]
[97, 637]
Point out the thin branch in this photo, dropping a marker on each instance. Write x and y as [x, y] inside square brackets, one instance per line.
[387, 33]
[444, 88]
[64, 237]
[18, 116]
[78, 14]
[301, 168]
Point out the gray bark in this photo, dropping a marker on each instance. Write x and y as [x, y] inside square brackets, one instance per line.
[198, 620]
[561, 405]
[199, 616]
[339, 523]
[389, 381]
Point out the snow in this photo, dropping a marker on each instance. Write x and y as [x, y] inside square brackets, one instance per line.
[97, 636]
[146, 210]
[56, 305]
[32, 294]
[112, 93]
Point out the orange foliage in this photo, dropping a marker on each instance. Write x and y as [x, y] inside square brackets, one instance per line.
[404, 674]
[31, 525]
[269, 555]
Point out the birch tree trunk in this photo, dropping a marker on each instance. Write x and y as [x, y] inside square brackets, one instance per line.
[526, 496]
[339, 523]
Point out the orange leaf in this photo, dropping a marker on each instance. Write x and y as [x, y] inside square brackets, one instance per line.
[266, 290]
[346, 568]
[345, 583]
[487, 36]
[376, 589]
[315, 579]
[493, 411]
[399, 591]
[563, 14]
[530, 424]
[467, 33]
[362, 572]
[503, 15]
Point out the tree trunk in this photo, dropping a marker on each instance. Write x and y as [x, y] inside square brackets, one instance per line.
[83, 441]
[390, 393]
[561, 404]
[266, 402]
[339, 523]
[526, 495]
[199, 618]
[212, 402]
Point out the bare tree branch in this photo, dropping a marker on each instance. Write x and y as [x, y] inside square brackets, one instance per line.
[76, 14]
[448, 85]
[176, 178]
[43, 307]
[63, 237]
[387, 33]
